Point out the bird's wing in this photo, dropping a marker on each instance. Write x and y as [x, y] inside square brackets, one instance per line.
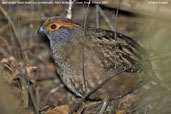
[116, 51]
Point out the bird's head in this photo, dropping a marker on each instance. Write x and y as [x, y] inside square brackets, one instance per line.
[58, 29]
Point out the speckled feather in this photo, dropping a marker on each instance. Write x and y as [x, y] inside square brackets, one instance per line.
[104, 55]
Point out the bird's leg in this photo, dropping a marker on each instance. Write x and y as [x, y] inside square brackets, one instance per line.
[104, 105]
[81, 108]
[76, 105]
[86, 105]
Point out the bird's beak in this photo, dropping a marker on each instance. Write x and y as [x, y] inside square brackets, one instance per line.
[41, 30]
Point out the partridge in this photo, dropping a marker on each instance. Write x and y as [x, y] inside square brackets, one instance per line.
[86, 57]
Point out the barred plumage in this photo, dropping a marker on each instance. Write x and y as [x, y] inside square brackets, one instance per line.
[104, 55]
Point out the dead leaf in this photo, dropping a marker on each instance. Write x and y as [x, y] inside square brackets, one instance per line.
[63, 109]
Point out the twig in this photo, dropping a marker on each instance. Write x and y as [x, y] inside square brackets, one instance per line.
[45, 78]
[28, 86]
[83, 60]
[106, 19]
[52, 91]
[6, 43]
[11, 23]
[69, 14]
[3, 28]
[97, 16]
[99, 86]
[146, 109]
[13, 45]
[116, 16]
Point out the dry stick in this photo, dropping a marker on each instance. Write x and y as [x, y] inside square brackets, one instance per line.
[3, 28]
[106, 19]
[69, 14]
[13, 45]
[28, 86]
[97, 16]
[11, 23]
[83, 60]
[52, 91]
[146, 109]
[115, 31]
[24, 93]
[45, 78]
[20, 34]
[6, 43]
[99, 86]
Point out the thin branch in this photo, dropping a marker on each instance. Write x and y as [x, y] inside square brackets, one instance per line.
[99, 86]
[2, 39]
[52, 91]
[3, 28]
[11, 23]
[13, 45]
[146, 109]
[116, 17]
[69, 14]
[28, 86]
[97, 16]
[83, 55]
[106, 19]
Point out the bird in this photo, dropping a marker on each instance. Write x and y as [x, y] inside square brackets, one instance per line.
[85, 57]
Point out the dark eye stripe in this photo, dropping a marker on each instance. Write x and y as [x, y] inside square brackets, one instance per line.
[53, 26]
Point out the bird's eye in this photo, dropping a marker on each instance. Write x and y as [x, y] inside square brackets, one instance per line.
[53, 26]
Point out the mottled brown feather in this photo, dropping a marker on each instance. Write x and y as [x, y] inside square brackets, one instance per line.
[104, 56]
